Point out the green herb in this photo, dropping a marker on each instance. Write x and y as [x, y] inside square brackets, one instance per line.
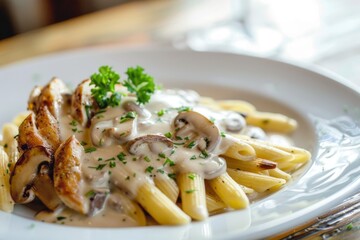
[193, 157]
[203, 154]
[168, 135]
[184, 109]
[162, 155]
[191, 176]
[73, 123]
[104, 91]
[160, 171]
[169, 161]
[112, 164]
[100, 159]
[147, 159]
[172, 176]
[59, 218]
[178, 138]
[99, 167]
[128, 116]
[121, 156]
[90, 194]
[140, 83]
[149, 169]
[161, 112]
[90, 149]
[349, 226]
[190, 191]
[110, 159]
[191, 144]
[83, 143]
[222, 134]
[87, 111]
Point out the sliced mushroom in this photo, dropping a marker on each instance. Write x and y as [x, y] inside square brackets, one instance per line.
[97, 202]
[156, 143]
[234, 122]
[213, 167]
[30, 178]
[68, 175]
[188, 123]
[104, 133]
[141, 112]
[82, 103]
[43, 187]
[52, 96]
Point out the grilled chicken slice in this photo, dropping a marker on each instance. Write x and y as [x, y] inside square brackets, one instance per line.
[48, 128]
[29, 135]
[40, 130]
[33, 98]
[68, 176]
[52, 96]
[80, 103]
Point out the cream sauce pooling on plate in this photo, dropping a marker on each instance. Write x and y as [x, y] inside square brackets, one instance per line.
[129, 145]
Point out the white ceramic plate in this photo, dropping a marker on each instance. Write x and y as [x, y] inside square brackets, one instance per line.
[326, 109]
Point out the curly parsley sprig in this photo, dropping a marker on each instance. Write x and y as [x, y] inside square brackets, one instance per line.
[105, 81]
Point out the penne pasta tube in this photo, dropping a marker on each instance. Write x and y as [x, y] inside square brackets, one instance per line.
[6, 202]
[160, 207]
[237, 106]
[239, 149]
[260, 183]
[214, 203]
[193, 198]
[229, 191]
[271, 121]
[266, 151]
[131, 208]
[258, 165]
[278, 173]
[168, 186]
[10, 131]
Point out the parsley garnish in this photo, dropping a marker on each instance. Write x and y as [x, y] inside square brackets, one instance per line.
[149, 169]
[140, 83]
[169, 161]
[90, 149]
[104, 91]
[191, 144]
[106, 79]
[192, 176]
[222, 134]
[190, 191]
[126, 117]
[172, 176]
[168, 135]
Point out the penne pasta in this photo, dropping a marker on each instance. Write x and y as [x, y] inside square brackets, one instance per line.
[6, 202]
[169, 187]
[214, 203]
[193, 198]
[257, 166]
[9, 132]
[239, 149]
[237, 106]
[278, 173]
[271, 121]
[229, 191]
[161, 208]
[260, 183]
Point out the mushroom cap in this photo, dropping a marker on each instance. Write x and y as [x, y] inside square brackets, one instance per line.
[25, 171]
[156, 143]
[190, 121]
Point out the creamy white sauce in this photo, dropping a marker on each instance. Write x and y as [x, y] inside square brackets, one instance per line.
[111, 168]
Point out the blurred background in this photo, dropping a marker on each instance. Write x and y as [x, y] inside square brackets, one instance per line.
[325, 33]
[19, 16]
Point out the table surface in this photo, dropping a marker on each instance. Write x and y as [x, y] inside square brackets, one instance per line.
[330, 40]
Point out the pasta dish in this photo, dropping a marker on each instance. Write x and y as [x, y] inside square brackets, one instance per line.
[117, 153]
